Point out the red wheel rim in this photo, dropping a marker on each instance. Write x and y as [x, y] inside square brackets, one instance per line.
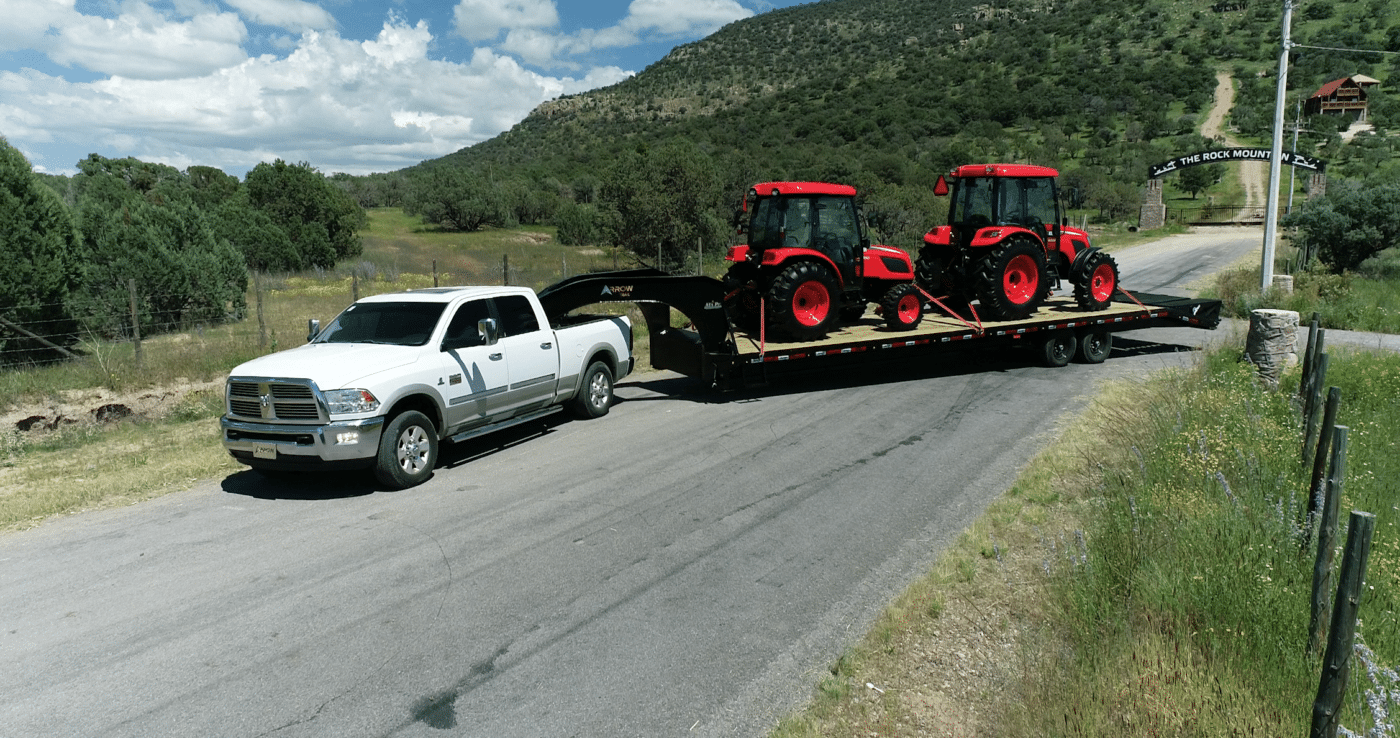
[1101, 284]
[811, 303]
[1020, 280]
[908, 309]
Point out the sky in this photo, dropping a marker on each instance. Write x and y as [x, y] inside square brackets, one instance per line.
[351, 86]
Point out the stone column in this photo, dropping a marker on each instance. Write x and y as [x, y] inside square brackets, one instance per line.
[1272, 343]
[1154, 212]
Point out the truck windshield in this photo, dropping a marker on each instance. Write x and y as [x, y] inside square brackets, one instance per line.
[394, 323]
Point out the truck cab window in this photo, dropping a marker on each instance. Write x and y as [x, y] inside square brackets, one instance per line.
[517, 316]
[462, 332]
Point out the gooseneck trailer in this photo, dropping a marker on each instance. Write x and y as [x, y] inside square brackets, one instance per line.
[724, 356]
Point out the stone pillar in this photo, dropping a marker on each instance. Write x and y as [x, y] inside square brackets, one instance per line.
[1154, 212]
[1317, 185]
[1272, 343]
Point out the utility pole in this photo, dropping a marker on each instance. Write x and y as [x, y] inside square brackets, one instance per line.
[1266, 278]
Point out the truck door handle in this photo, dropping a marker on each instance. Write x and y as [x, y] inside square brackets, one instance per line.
[495, 357]
[547, 345]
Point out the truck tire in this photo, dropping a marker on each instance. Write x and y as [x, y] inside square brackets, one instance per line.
[1010, 281]
[804, 301]
[1057, 348]
[1095, 346]
[408, 450]
[595, 394]
[903, 307]
[1095, 282]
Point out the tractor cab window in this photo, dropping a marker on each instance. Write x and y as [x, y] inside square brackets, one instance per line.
[781, 222]
[972, 202]
[1027, 202]
[837, 234]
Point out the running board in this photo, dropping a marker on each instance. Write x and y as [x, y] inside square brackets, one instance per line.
[493, 427]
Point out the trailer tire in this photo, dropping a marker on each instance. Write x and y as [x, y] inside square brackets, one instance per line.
[803, 301]
[903, 307]
[595, 393]
[408, 450]
[1095, 281]
[1095, 346]
[1011, 279]
[1057, 348]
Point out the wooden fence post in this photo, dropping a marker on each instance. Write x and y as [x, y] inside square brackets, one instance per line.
[1336, 662]
[135, 323]
[258, 300]
[1324, 438]
[505, 269]
[1327, 543]
[354, 286]
[1308, 357]
[435, 273]
[1310, 408]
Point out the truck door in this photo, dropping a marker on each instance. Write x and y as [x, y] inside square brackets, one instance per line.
[475, 379]
[532, 359]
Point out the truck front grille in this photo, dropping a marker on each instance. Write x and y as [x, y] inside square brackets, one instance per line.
[272, 400]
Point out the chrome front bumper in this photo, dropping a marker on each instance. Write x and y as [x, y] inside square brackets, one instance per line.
[350, 440]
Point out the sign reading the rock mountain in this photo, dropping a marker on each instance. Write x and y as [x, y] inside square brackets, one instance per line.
[1224, 155]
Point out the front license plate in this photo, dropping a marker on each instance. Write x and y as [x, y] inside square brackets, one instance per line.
[264, 451]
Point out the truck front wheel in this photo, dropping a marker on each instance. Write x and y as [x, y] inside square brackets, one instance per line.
[408, 450]
[595, 395]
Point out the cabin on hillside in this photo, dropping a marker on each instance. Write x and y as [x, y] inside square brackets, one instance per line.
[1346, 96]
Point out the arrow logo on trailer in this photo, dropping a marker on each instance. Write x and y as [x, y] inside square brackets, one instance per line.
[606, 292]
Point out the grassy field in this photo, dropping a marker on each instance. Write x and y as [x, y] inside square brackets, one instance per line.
[1143, 577]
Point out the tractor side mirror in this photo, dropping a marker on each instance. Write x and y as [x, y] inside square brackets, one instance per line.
[739, 224]
[313, 328]
[940, 189]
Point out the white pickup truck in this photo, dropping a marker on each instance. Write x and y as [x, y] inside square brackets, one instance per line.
[394, 375]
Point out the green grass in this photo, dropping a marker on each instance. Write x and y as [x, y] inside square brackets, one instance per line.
[1345, 302]
[1182, 609]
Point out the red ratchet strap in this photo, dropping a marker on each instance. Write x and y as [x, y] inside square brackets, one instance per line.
[1145, 309]
[950, 311]
[762, 327]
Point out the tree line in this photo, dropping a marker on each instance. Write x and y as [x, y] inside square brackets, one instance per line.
[72, 246]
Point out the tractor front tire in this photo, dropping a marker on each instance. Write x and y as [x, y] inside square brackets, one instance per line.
[1095, 282]
[903, 307]
[804, 301]
[1011, 279]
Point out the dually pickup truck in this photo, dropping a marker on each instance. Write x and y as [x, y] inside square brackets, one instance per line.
[394, 375]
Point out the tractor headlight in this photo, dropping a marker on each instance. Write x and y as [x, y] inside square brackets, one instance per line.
[349, 401]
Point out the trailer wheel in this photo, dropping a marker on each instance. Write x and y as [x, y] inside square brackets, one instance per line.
[408, 450]
[1057, 348]
[595, 395]
[1094, 346]
[1010, 280]
[903, 307]
[1096, 281]
[803, 301]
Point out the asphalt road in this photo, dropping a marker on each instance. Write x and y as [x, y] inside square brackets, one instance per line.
[687, 565]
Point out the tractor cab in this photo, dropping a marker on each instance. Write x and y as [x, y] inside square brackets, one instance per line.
[808, 216]
[1004, 195]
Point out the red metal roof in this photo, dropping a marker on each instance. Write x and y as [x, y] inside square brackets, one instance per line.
[1003, 170]
[765, 189]
[1331, 87]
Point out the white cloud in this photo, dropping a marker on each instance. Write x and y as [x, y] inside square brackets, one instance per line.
[293, 15]
[26, 22]
[143, 44]
[343, 105]
[528, 35]
[483, 20]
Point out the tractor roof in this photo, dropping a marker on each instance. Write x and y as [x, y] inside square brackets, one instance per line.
[1003, 170]
[766, 189]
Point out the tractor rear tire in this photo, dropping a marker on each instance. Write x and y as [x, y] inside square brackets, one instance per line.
[1011, 279]
[1095, 282]
[903, 307]
[804, 301]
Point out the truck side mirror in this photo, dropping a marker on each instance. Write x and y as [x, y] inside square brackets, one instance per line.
[313, 329]
[490, 334]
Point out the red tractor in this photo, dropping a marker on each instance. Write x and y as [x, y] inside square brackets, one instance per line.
[1005, 243]
[808, 264]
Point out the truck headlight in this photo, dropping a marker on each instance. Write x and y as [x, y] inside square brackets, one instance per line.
[348, 401]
